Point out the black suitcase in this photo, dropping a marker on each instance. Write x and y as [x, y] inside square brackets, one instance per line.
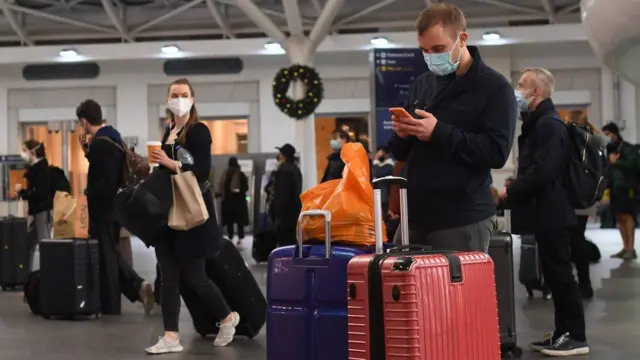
[501, 251]
[264, 242]
[530, 273]
[14, 260]
[241, 291]
[69, 278]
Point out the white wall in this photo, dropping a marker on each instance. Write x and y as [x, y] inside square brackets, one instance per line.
[134, 92]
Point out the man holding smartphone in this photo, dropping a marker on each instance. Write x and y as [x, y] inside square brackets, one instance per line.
[461, 124]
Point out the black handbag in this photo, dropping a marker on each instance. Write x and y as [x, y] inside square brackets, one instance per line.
[143, 209]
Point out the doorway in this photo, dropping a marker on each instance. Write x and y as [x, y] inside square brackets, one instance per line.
[355, 126]
[62, 149]
[229, 136]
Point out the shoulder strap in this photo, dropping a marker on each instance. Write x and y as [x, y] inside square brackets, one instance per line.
[112, 142]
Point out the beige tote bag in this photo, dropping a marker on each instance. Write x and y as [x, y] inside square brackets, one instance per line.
[188, 210]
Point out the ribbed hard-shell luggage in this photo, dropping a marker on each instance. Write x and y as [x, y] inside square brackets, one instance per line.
[69, 278]
[413, 303]
[228, 270]
[14, 252]
[306, 295]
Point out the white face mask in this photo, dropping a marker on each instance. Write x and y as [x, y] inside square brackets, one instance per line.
[25, 156]
[180, 106]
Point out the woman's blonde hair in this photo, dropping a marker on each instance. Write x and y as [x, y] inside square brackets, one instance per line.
[579, 117]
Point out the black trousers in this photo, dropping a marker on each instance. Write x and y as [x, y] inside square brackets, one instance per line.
[116, 275]
[555, 254]
[286, 235]
[578, 251]
[230, 231]
[172, 271]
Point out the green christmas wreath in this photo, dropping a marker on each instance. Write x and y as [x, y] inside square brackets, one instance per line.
[303, 108]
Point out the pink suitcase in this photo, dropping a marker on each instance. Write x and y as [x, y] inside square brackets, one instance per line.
[415, 304]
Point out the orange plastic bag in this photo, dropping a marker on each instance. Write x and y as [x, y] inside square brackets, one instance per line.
[350, 201]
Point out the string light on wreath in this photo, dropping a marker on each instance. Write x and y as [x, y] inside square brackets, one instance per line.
[314, 91]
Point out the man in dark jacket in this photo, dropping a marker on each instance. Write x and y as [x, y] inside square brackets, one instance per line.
[622, 181]
[540, 206]
[335, 164]
[286, 204]
[462, 126]
[106, 158]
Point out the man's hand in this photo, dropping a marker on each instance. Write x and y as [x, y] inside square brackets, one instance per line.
[613, 157]
[420, 128]
[503, 193]
[393, 216]
[395, 123]
[84, 143]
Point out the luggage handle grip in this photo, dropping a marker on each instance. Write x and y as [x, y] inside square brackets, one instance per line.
[412, 247]
[327, 230]
[377, 209]
[390, 180]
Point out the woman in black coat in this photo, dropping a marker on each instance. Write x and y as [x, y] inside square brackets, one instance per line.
[182, 254]
[233, 189]
[38, 192]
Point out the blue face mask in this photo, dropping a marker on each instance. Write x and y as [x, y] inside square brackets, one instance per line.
[335, 145]
[523, 103]
[440, 63]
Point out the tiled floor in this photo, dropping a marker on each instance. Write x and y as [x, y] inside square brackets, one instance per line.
[613, 320]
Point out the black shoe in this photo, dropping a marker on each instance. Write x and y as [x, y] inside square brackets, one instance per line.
[566, 346]
[542, 344]
[586, 292]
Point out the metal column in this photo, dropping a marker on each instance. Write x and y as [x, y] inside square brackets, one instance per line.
[65, 128]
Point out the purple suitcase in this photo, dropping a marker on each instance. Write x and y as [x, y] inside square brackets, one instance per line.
[307, 298]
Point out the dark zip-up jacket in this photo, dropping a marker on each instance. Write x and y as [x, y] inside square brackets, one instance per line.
[537, 197]
[450, 175]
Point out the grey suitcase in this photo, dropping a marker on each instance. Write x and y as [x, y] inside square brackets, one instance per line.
[501, 252]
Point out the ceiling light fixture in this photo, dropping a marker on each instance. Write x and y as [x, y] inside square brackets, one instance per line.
[492, 35]
[379, 41]
[170, 49]
[273, 46]
[67, 53]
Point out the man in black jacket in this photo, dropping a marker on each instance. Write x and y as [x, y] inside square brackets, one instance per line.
[335, 165]
[287, 187]
[540, 206]
[106, 158]
[463, 123]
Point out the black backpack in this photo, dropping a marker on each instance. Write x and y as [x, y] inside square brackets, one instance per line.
[58, 180]
[584, 180]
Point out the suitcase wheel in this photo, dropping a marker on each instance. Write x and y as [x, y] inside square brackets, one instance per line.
[98, 316]
[546, 295]
[510, 351]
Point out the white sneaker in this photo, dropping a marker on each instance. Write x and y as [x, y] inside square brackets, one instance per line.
[165, 346]
[226, 332]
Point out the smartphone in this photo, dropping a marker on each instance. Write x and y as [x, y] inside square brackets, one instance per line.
[400, 113]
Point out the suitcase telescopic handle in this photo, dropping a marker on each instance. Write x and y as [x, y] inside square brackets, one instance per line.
[327, 229]
[377, 208]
